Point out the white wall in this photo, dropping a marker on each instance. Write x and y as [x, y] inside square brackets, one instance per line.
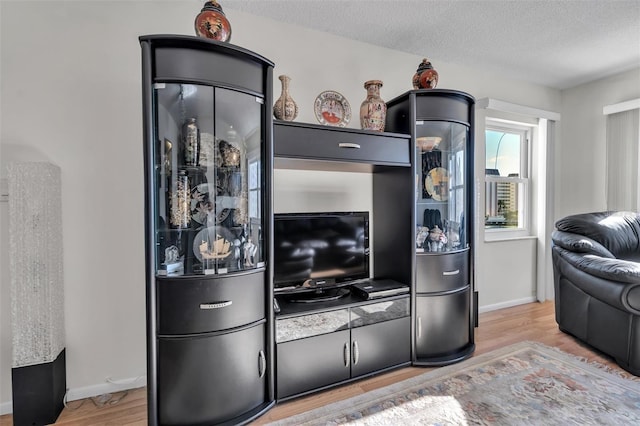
[71, 91]
[581, 152]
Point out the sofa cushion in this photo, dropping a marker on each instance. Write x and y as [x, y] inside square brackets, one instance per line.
[619, 232]
[579, 244]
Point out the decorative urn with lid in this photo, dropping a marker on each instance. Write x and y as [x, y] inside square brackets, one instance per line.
[426, 77]
[212, 23]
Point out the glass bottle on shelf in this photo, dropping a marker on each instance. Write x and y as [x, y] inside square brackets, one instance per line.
[191, 142]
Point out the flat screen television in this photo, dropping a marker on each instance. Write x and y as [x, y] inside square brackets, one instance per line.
[317, 253]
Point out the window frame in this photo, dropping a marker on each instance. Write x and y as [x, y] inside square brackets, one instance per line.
[525, 205]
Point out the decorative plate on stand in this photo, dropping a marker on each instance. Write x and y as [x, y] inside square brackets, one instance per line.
[333, 109]
[437, 183]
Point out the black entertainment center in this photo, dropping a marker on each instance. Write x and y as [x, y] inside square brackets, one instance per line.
[324, 341]
[245, 307]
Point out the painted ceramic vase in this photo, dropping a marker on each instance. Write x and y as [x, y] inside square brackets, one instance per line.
[212, 23]
[426, 77]
[181, 202]
[373, 110]
[191, 142]
[285, 107]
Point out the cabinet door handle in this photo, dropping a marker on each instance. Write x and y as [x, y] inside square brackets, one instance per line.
[346, 354]
[262, 364]
[216, 305]
[419, 331]
[356, 352]
[349, 145]
[455, 272]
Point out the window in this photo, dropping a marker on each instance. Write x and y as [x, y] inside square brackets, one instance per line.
[507, 183]
[254, 188]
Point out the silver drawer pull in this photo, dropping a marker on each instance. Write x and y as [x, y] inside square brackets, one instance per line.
[356, 352]
[456, 272]
[349, 145]
[262, 364]
[345, 354]
[215, 305]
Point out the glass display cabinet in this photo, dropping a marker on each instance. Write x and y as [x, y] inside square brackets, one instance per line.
[209, 174]
[207, 148]
[444, 301]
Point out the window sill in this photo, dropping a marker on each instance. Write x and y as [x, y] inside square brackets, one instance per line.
[506, 238]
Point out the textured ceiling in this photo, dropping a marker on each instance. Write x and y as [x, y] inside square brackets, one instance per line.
[556, 43]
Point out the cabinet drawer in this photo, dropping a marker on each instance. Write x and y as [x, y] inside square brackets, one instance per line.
[203, 304]
[311, 325]
[379, 312]
[326, 143]
[442, 272]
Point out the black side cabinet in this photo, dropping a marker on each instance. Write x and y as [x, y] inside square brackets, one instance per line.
[443, 297]
[207, 162]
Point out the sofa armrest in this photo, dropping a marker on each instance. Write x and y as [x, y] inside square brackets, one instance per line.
[609, 269]
[615, 281]
[580, 244]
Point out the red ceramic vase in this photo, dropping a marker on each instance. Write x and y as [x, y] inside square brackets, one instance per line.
[426, 77]
[212, 23]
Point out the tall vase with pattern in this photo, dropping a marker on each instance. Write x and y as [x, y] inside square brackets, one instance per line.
[373, 110]
[285, 107]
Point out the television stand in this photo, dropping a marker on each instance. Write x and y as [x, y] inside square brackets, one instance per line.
[325, 295]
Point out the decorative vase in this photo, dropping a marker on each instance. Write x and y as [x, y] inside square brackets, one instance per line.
[285, 107]
[212, 23]
[426, 77]
[373, 110]
[181, 202]
[191, 142]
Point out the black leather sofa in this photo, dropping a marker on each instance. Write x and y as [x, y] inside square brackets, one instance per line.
[596, 265]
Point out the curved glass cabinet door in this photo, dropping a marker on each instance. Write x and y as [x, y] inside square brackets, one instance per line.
[441, 192]
[209, 180]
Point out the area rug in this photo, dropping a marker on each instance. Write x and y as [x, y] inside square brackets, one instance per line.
[523, 384]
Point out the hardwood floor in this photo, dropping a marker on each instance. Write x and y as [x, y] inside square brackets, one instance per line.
[534, 321]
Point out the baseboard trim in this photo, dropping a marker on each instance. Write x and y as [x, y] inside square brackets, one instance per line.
[89, 391]
[507, 304]
[6, 408]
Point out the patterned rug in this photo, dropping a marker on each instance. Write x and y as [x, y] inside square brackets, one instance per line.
[523, 384]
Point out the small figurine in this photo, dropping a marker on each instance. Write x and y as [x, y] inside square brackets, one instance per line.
[250, 250]
[171, 254]
[421, 236]
[437, 239]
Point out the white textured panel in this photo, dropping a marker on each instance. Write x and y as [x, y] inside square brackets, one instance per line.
[37, 286]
